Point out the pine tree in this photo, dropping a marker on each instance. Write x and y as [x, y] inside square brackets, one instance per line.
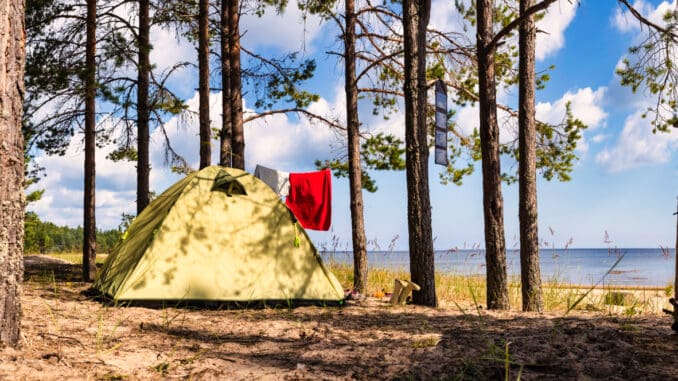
[493, 203]
[235, 90]
[204, 84]
[416, 16]
[274, 80]
[143, 108]
[495, 245]
[652, 67]
[354, 160]
[89, 248]
[11, 169]
[226, 133]
[379, 151]
[530, 273]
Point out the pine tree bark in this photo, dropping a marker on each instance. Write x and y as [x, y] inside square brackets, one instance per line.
[143, 111]
[226, 134]
[238, 137]
[12, 58]
[415, 21]
[674, 326]
[354, 166]
[493, 208]
[530, 274]
[90, 229]
[204, 84]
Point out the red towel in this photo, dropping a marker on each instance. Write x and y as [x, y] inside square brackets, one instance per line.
[310, 199]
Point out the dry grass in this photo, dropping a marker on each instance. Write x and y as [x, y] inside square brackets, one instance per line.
[557, 296]
[460, 289]
[75, 258]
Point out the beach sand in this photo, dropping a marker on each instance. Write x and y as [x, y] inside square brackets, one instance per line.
[66, 335]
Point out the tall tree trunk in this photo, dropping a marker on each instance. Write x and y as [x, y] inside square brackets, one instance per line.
[12, 58]
[354, 167]
[530, 274]
[415, 21]
[493, 208]
[674, 326]
[204, 84]
[143, 162]
[90, 228]
[226, 135]
[238, 141]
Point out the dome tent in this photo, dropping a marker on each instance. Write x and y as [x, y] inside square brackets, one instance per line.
[220, 234]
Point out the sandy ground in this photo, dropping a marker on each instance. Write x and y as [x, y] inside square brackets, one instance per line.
[67, 335]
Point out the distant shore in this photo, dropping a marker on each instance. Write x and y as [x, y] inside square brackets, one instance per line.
[644, 267]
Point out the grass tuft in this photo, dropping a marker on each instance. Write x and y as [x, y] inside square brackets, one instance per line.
[469, 291]
[76, 258]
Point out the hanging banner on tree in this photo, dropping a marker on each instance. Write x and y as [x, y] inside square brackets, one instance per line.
[441, 123]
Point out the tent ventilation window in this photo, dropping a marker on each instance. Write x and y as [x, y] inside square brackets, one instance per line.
[228, 184]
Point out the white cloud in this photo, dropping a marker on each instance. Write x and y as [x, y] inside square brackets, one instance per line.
[637, 146]
[291, 30]
[586, 105]
[582, 146]
[288, 31]
[278, 141]
[183, 134]
[284, 32]
[556, 19]
[625, 22]
[169, 48]
[63, 185]
[446, 18]
[467, 119]
[599, 138]
[394, 125]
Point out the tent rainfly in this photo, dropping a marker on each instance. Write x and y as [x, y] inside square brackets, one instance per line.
[220, 234]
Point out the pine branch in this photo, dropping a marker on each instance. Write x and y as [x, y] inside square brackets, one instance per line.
[308, 114]
[513, 24]
[647, 22]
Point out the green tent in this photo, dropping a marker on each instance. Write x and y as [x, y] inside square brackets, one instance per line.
[220, 234]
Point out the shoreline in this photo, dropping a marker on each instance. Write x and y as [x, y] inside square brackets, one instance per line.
[546, 283]
[605, 287]
[640, 268]
[470, 289]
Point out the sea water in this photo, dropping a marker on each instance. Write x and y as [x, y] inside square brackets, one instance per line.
[637, 267]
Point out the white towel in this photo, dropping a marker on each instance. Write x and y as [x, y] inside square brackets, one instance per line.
[278, 180]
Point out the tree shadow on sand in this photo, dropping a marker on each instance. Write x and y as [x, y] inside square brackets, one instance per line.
[386, 344]
[381, 342]
[44, 269]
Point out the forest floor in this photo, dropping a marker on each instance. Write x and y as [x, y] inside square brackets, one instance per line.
[67, 335]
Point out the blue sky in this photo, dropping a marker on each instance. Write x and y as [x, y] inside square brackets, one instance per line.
[625, 182]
